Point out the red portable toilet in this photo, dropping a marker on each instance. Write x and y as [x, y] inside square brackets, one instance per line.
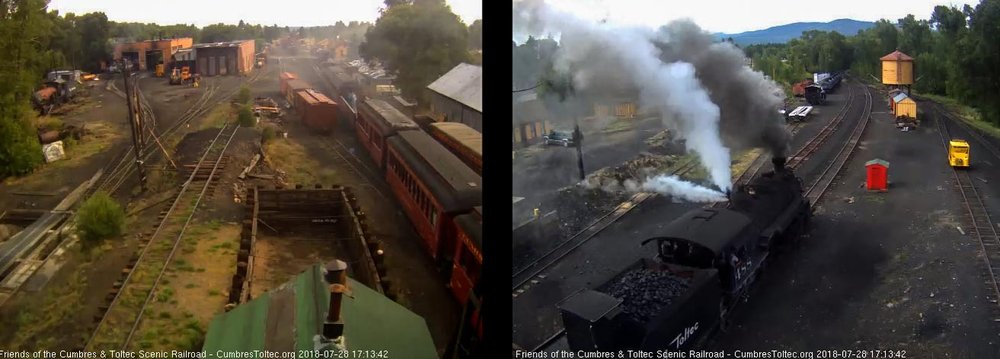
[878, 175]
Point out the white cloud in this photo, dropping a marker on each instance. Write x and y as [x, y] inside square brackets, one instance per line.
[738, 16]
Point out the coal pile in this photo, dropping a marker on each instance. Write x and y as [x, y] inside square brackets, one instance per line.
[646, 292]
[613, 179]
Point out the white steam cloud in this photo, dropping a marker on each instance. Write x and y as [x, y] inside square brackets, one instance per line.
[672, 88]
[673, 186]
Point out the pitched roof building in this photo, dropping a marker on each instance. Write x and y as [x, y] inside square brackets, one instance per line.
[458, 96]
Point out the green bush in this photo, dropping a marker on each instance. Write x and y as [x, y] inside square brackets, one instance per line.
[246, 116]
[99, 218]
[244, 96]
[20, 151]
[268, 134]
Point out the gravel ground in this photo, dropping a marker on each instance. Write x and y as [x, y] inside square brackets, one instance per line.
[880, 270]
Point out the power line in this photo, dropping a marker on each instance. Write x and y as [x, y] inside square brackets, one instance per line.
[528, 89]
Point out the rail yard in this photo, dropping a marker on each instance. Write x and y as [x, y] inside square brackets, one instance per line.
[875, 228]
[238, 173]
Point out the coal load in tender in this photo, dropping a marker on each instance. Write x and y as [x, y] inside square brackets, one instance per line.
[645, 292]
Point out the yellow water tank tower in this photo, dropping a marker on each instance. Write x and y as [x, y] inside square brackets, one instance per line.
[897, 69]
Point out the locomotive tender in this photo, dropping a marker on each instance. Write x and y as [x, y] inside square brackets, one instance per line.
[707, 260]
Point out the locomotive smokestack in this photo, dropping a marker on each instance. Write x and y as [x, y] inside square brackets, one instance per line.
[779, 164]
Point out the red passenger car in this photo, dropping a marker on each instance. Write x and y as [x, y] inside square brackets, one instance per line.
[433, 186]
[468, 262]
[377, 121]
[462, 140]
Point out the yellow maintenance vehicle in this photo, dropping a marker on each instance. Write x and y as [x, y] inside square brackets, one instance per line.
[159, 70]
[181, 75]
[958, 153]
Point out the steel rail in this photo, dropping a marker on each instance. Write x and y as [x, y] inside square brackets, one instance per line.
[819, 187]
[977, 212]
[146, 248]
[180, 234]
[567, 246]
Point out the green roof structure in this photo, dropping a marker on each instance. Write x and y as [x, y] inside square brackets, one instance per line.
[291, 318]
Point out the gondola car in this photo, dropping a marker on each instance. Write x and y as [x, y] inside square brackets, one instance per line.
[377, 121]
[707, 260]
[434, 187]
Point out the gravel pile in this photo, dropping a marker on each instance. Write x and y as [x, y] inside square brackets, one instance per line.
[646, 292]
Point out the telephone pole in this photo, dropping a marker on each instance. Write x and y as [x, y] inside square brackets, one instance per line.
[135, 122]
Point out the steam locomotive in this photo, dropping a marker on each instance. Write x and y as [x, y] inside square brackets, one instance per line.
[706, 261]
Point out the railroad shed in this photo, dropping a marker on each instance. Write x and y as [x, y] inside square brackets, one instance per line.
[225, 58]
[877, 175]
[321, 302]
[151, 52]
[531, 120]
[904, 107]
[458, 96]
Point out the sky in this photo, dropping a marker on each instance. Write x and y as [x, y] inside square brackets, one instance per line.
[265, 12]
[736, 16]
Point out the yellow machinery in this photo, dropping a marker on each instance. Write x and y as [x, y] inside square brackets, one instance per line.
[179, 76]
[159, 70]
[958, 153]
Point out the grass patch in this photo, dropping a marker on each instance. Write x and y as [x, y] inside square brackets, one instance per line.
[213, 292]
[41, 317]
[967, 114]
[743, 161]
[299, 167]
[619, 125]
[218, 117]
[100, 139]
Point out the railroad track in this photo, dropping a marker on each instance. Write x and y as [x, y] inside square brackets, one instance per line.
[982, 223]
[803, 153]
[522, 283]
[130, 297]
[365, 175]
[819, 187]
[120, 169]
[530, 274]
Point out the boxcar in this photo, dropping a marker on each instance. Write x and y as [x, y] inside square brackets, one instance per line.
[462, 140]
[467, 266]
[283, 80]
[318, 112]
[292, 86]
[377, 121]
[433, 186]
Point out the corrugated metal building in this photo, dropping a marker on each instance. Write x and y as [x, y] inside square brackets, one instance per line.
[322, 310]
[225, 58]
[151, 52]
[458, 96]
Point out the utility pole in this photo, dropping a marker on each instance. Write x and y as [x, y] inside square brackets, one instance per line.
[135, 122]
[578, 141]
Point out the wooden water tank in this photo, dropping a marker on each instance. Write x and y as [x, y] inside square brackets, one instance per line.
[897, 69]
